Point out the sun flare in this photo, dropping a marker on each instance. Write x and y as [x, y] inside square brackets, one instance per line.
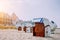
[4, 6]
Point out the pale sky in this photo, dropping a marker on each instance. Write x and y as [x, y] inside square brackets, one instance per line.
[29, 9]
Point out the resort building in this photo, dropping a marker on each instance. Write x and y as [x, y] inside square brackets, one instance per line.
[5, 19]
[8, 21]
[15, 19]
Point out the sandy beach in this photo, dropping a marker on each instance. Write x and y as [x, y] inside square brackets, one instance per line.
[20, 35]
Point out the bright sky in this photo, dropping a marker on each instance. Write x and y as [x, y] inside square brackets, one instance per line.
[29, 9]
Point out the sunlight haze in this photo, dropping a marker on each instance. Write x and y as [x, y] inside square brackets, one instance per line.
[29, 9]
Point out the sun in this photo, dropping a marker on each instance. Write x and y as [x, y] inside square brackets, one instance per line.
[4, 5]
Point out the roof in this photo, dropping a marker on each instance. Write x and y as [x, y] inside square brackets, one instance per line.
[4, 15]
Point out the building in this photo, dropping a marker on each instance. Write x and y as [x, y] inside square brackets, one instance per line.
[15, 19]
[5, 19]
